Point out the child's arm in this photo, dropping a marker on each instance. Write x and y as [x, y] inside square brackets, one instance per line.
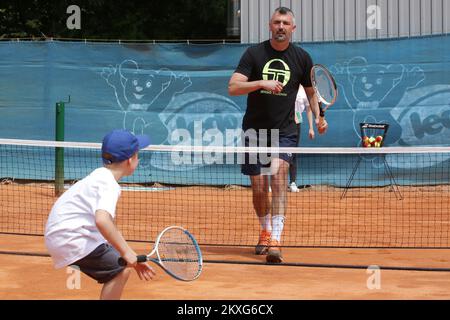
[105, 225]
[309, 115]
[107, 228]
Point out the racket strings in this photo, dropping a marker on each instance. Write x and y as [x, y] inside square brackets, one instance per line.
[178, 253]
[325, 86]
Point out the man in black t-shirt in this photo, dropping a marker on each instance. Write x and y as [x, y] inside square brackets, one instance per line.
[270, 73]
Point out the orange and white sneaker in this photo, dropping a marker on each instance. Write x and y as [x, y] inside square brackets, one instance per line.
[263, 243]
[274, 252]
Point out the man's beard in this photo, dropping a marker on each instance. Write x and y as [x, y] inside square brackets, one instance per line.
[280, 37]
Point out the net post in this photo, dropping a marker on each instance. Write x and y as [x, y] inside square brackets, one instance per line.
[59, 151]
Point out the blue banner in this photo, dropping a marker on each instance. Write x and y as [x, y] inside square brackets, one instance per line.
[178, 92]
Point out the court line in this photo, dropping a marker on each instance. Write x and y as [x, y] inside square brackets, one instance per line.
[283, 264]
[335, 266]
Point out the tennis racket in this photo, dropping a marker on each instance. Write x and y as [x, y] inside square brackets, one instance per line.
[176, 251]
[325, 89]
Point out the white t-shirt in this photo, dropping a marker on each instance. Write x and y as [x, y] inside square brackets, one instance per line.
[71, 232]
[301, 103]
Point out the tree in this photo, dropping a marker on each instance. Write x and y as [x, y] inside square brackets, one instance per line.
[126, 20]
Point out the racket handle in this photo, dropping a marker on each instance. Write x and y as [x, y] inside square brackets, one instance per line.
[141, 258]
[321, 112]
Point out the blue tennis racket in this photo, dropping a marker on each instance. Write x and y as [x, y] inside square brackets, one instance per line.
[177, 252]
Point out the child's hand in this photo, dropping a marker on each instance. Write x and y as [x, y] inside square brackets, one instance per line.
[144, 271]
[131, 258]
[311, 133]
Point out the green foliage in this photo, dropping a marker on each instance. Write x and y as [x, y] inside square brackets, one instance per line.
[126, 20]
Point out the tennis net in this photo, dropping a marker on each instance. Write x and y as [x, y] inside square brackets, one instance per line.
[349, 197]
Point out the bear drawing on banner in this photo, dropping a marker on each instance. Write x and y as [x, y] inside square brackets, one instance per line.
[372, 90]
[138, 90]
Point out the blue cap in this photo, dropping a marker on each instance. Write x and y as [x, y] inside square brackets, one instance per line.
[120, 145]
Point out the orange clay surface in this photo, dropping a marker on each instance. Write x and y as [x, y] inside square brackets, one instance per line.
[316, 217]
[30, 277]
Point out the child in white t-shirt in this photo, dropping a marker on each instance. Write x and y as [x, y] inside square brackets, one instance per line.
[80, 230]
[301, 103]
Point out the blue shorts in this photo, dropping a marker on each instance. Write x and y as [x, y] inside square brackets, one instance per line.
[252, 165]
[101, 264]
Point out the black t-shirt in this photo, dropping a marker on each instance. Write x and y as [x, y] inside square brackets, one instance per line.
[291, 67]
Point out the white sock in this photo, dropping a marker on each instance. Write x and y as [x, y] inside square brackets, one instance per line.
[278, 225]
[266, 222]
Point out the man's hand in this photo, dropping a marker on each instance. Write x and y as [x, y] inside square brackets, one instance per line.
[240, 85]
[322, 125]
[272, 85]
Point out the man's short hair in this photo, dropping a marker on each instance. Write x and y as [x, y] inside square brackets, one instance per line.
[284, 10]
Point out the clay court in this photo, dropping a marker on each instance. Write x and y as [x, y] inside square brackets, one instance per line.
[28, 277]
[231, 271]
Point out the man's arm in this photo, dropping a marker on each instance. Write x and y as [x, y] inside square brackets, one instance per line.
[239, 85]
[314, 105]
[313, 102]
